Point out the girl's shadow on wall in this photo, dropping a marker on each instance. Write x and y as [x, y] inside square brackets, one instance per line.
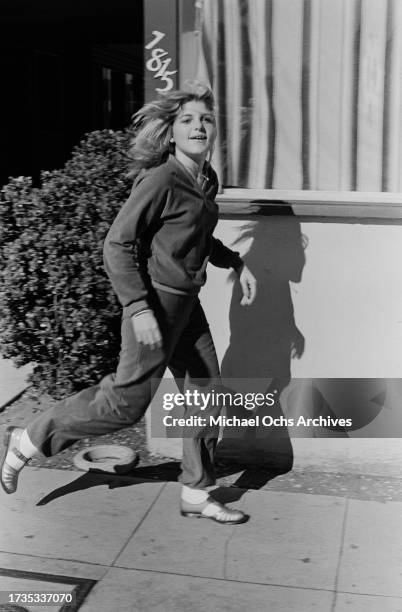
[263, 339]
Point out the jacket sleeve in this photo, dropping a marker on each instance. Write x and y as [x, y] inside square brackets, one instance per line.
[223, 257]
[122, 244]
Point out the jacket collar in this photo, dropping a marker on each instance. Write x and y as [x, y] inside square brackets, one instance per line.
[173, 161]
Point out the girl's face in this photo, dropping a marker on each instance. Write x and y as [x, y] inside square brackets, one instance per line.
[194, 130]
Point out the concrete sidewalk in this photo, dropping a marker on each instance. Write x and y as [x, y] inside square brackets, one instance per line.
[299, 552]
[13, 381]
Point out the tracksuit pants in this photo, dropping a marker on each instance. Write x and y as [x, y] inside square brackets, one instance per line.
[121, 399]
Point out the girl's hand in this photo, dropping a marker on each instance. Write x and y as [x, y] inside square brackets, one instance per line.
[146, 329]
[248, 284]
[297, 346]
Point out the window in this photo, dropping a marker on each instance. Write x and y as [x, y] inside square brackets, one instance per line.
[106, 97]
[129, 100]
[308, 92]
[118, 98]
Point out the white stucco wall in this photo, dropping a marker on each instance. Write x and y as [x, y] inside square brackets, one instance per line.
[347, 297]
[338, 285]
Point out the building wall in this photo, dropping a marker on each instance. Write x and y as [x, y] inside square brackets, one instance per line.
[308, 98]
[343, 280]
[334, 287]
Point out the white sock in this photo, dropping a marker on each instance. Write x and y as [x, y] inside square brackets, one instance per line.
[26, 446]
[193, 496]
[23, 443]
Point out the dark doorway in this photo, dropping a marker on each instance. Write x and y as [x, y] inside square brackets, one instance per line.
[67, 67]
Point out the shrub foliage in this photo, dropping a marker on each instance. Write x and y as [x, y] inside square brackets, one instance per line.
[57, 308]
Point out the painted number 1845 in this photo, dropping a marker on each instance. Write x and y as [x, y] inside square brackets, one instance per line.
[157, 64]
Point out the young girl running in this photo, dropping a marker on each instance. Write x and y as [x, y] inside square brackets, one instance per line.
[156, 253]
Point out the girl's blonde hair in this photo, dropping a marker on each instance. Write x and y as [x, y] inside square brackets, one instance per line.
[152, 124]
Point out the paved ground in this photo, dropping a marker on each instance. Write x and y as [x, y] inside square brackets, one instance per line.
[12, 381]
[325, 536]
[299, 551]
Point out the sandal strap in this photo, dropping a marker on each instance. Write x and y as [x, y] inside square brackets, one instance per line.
[19, 455]
[217, 510]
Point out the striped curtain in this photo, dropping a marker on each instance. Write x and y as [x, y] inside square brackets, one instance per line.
[309, 92]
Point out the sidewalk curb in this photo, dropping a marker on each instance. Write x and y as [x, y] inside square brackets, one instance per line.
[7, 403]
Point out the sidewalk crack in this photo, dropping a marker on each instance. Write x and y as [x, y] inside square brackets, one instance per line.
[226, 552]
[136, 528]
[341, 549]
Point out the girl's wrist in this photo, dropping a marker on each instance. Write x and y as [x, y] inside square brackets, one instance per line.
[238, 266]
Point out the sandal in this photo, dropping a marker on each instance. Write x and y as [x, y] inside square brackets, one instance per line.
[213, 510]
[9, 475]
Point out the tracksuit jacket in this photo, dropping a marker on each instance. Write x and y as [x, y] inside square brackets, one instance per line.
[163, 233]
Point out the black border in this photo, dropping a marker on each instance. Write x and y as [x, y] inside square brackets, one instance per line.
[82, 589]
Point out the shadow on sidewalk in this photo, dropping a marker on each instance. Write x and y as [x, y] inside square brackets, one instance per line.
[250, 478]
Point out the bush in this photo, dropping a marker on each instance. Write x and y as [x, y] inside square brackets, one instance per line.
[57, 307]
